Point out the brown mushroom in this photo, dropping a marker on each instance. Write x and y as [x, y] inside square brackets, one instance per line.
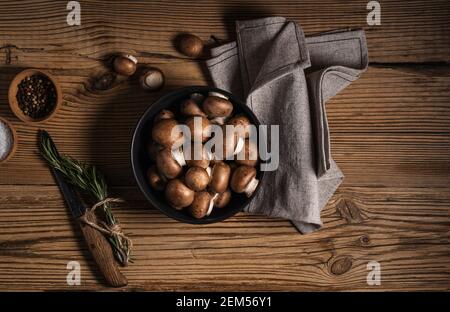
[244, 180]
[178, 194]
[220, 176]
[156, 180]
[232, 143]
[170, 162]
[165, 132]
[152, 79]
[197, 97]
[125, 64]
[248, 155]
[197, 178]
[202, 205]
[153, 149]
[218, 107]
[241, 121]
[199, 127]
[203, 159]
[222, 199]
[189, 45]
[190, 108]
[164, 114]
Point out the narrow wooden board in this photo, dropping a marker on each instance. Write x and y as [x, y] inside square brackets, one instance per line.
[413, 31]
[392, 126]
[404, 229]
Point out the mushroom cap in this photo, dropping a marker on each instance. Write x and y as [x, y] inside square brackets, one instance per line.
[241, 177]
[190, 108]
[241, 121]
[200, 206]
[249, 154]
[125, 64]
[222, 199]
[197, 178]
[157, 182]
[199, 127]
[166, 164]
[215, 106]
[165, 132]
[152, 149]
[230, 141]
[190, 45]
[202, 162]
[178, 194]
[220, 176]
[164, 114]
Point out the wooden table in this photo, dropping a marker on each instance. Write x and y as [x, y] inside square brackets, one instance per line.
[390, 134]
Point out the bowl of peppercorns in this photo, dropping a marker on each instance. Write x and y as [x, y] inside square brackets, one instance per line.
[34, 96]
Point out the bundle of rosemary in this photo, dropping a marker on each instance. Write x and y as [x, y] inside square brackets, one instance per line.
[89, 180]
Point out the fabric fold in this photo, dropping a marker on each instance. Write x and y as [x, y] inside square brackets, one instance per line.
[265, 68]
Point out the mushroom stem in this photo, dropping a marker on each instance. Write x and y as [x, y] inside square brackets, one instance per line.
[239, 146]
[251, 187]
[208, 170]
[218, 95]
[211, 204]
[178, 155]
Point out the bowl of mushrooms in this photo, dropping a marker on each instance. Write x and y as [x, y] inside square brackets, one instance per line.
[181, 174]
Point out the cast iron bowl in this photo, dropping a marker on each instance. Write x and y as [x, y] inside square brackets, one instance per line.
[140, 160]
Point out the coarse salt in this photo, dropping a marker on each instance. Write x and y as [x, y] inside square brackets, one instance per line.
[6, 140]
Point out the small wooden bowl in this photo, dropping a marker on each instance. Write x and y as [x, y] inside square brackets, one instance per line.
[12, 96]
[14, 140]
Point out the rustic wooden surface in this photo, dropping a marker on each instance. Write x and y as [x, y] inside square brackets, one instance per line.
[390, 135]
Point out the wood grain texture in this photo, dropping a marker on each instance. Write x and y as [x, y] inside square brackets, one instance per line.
[390, 133]
[404, 229]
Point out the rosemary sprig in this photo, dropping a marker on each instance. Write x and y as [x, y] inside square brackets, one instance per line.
[90, 180]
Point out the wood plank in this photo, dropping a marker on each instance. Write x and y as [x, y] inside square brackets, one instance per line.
[405, 229]
[412, 31]
[398, 135]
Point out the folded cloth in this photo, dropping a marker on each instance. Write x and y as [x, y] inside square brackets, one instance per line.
[265, 68]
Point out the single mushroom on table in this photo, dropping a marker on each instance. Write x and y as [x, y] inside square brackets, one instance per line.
[222, 199]
[197, 178]
[248, 156]
[217, 107]
[167, 132]
[202, 205]
[244, 180]
[125, 64]
[178, 194]
[157, 181]
[200, 128]
[220, 176]
[170, 162]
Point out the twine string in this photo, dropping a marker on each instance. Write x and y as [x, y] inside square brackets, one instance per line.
[110, 230]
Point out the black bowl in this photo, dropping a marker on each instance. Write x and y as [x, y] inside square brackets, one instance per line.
[140, 160]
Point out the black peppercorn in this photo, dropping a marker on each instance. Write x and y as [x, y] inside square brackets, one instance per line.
[36, 96]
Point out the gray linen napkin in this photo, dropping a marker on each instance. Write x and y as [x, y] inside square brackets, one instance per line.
[265, 67]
